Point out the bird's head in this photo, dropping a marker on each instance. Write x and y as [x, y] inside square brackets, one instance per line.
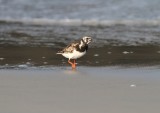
[86, 39]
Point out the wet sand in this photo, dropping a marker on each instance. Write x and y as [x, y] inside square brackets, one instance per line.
[16, 56]
[87, 90]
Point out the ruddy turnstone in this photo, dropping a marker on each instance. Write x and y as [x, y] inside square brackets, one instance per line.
[76, 50]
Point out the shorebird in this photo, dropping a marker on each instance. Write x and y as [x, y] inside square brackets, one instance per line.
[76, 50]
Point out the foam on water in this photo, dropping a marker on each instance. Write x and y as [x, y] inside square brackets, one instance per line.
[78, 22]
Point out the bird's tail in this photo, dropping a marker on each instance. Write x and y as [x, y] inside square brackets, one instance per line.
[59, 52]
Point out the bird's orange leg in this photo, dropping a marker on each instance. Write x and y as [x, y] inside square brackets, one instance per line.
[72, 64]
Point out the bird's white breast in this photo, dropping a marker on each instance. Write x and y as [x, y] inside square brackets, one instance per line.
[74, 55]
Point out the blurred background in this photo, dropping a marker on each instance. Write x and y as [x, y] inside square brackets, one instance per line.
[125, 32]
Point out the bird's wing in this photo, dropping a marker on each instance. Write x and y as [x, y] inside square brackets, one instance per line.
[70, 47]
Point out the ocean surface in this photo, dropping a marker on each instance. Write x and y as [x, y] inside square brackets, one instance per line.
[124, 32]
[80, 9]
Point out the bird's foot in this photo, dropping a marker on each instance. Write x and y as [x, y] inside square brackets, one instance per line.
[73, 64]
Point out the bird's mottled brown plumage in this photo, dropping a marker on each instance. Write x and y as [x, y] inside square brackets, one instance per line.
[70, 48]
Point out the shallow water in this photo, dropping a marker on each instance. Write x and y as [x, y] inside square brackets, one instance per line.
[19, 33]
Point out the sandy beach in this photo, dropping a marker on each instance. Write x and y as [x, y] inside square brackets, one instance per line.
[86, 90]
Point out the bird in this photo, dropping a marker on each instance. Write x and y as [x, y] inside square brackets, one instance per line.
[75, 50]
